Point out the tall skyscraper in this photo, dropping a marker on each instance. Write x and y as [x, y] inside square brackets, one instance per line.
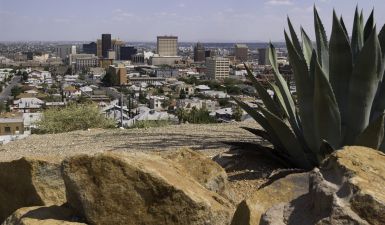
[199, 53]
[241, 52]
[167, 45]
[218, 68]
[263, 56]
[116, 45]
[106, 44]
[90, 48]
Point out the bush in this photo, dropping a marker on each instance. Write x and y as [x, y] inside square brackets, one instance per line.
[71, 118]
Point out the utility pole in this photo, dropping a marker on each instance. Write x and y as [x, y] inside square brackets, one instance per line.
[121, 105]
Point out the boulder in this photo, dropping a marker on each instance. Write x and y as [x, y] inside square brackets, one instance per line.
[347, 189]
[30, 182]
[42, 215]
[137, 188]
[203, 169]
[249, 211]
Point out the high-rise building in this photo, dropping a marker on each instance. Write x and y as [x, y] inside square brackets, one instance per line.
[263, 56]
[126, 52]
[90, 48]
[241, 52]
[116, 45]
[106, 44]
[218, 68]
[199, 53]
[167, 45]
[63, 51]
[99, 48]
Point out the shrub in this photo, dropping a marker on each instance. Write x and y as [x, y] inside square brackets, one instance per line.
[73, 117]
[340, 94]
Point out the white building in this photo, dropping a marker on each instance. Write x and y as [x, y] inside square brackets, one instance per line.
[218, 68]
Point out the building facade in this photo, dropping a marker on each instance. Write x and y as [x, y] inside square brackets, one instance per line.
[199, 53]
[167, 45]
[83, 61]
[106, 44]
[63, 51]
[263, 56]
[90, 48]
[119, 74]
[126, 52]
[218, 68]
[241, 52]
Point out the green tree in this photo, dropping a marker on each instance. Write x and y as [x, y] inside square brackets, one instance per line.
[16, 90]
[73, 117]
[237, 113]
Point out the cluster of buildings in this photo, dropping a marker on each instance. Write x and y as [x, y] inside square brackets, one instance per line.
[145, 82]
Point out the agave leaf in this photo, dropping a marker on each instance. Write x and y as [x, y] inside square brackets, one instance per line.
[379, 101]
[362, 88]
[325, 150]
[341, 67]
[357, 35]
[307, 46]
[373, 135]
[305, 92]
[313, 61]
[262, 121]
[343, 26]
[369, 26]
[282, 85]
[322, 42]
[326, 114]
[263, 94]
[280, 99]
[290, 142]
[294, 37]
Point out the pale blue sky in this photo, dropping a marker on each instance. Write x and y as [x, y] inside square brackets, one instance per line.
[191, 20]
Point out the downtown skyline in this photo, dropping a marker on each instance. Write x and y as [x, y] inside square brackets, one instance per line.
[191, 21]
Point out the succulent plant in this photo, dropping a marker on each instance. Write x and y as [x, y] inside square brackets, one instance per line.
[340, 94]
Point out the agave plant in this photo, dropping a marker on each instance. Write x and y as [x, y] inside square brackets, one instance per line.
[340, 94]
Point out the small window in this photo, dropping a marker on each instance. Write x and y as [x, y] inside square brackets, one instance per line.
[7, 130]
[17, 128]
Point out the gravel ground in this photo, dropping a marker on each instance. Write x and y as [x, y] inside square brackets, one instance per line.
[206, 138]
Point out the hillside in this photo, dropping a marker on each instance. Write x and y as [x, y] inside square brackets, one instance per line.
[207, 138]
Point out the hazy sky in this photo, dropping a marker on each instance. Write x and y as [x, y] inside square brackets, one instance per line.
[191, 20]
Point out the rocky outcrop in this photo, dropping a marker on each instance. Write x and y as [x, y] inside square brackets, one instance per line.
[43, 215]
[119, 188]
[29, 182]
[203, 169]
[348, 189]
[249, 211]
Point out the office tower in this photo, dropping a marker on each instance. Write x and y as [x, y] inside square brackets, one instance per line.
[63, 51]
[199, 53]
[263, 56]
[241, 52]
[90, 48]
[126, 52]
[218, 68]
[99, 48]
[167, 45]
[116, 45]
[111, 54]
[106, 44]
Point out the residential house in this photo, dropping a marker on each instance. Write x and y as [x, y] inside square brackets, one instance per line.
[27, 105]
